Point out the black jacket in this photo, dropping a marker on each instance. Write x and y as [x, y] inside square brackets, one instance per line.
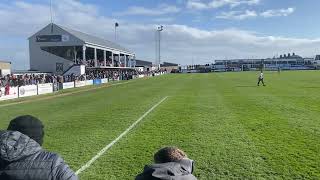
[181, 170]
[21, 158]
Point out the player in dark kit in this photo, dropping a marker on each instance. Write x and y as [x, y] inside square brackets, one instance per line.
[260, 79]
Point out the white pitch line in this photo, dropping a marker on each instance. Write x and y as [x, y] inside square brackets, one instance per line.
[89, 163]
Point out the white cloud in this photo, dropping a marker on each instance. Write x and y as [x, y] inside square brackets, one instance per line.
[197, 5]
[161, 10]
[241, 15]
[164, 19]
[237, 15]
[200, 5]
[278, 12]
[179, 43]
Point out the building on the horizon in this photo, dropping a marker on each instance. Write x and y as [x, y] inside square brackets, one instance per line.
[5, 68]
[169, 67]
[142, 65]
[56, 49]
[284, 62]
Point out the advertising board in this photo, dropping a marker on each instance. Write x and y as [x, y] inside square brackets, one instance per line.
[25, 91]
[13, 93]
[45, 88]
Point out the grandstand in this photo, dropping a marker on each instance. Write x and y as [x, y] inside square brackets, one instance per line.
[284, 62]
[57, 49]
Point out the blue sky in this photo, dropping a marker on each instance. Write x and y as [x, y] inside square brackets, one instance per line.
[298, 24]
[202, 30]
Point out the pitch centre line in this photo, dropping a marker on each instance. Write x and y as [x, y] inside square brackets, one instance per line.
[105, 149]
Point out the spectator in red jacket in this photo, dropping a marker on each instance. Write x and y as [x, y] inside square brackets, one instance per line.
[7, 89]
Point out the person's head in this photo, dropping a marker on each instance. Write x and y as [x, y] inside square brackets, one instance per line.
[169, 154]
[28, 125]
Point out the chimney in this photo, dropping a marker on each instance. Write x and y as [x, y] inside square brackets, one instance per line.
[289, 54]
[293, 54]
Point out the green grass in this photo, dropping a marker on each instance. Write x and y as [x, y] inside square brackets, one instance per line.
[228, 125]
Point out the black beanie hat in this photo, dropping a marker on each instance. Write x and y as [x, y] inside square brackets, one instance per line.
[28, 125]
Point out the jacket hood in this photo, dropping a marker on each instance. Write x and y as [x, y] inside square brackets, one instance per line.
[181, 170]
[15, 145]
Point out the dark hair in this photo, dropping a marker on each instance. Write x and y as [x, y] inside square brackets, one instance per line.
[169, 154]
[28, 125]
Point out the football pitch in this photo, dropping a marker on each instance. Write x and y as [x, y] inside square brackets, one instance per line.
[229, 126]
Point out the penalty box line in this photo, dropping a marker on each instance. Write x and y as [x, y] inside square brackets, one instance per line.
[106, 148]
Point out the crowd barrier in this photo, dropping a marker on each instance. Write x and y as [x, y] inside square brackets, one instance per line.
[79, 83]
[45, 88]
[12, 94]
[97, 81]
[67, 85]
[104, 81]
[33, 90]
[25, 91]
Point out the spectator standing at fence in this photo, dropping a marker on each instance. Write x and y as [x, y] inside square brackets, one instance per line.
[21, 155]
[171, 163]
[7, 89]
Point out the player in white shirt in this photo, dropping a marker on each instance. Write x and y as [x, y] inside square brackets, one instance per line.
[260, 79]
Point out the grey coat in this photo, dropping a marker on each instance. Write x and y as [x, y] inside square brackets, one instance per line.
[181, 170]
[21, 158]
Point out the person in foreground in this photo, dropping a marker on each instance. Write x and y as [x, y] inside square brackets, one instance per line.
[171, 163]
[21, 155]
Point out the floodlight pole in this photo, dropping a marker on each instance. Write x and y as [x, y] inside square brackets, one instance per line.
[51, 19]
[115, 33]
[159, 29]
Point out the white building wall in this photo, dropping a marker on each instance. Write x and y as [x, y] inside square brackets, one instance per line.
[46, 62]
[5, 72]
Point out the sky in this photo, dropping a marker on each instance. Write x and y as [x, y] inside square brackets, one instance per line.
[197, 31]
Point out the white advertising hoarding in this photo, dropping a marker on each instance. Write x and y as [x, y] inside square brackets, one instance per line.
[30, 90]
[68, 85]
[104, 81]
[89, 82]
[13, 93]
[80, 83]
[45, 88]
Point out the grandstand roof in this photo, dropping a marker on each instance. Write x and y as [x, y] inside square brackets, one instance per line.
[143, 63]
[94, 39]
[91, 39]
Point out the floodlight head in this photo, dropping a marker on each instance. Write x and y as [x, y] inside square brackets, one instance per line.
[160, 28]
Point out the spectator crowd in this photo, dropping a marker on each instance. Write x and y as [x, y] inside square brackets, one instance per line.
[34, 79]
